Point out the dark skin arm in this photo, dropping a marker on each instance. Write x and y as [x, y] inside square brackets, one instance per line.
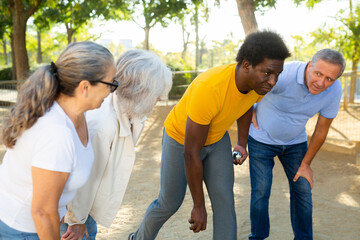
[243, 124]
[195, 138]
[316, 141]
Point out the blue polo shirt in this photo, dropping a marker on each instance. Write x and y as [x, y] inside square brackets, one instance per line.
[283, 113]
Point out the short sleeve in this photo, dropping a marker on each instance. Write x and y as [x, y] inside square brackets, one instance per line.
[54, 150]
[203, 103]
[332, 106]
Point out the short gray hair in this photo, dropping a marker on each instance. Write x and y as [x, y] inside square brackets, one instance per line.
[143, 78]
[330, 56]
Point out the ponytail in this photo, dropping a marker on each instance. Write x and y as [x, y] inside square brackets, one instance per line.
[36, 96]
[79, 61]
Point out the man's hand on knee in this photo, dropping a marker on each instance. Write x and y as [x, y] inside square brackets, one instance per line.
[306, 172]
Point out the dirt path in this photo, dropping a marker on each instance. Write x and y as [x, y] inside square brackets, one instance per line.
[336, 195]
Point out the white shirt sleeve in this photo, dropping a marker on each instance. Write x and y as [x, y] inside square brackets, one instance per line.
[55, 150]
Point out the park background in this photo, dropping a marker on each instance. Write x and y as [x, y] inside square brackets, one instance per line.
[191, 36]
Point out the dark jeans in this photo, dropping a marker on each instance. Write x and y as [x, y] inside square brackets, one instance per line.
[261, 165]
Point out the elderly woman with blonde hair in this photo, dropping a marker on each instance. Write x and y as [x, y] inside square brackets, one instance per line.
[115, 128]
[49, 154]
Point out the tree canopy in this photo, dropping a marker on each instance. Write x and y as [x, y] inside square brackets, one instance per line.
[76, 13]
[148, 13]
[345, 38]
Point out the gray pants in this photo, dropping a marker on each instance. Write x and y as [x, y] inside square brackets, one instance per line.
[218, 176]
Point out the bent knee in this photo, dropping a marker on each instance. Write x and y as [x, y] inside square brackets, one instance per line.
[301, 186]
[170, 205]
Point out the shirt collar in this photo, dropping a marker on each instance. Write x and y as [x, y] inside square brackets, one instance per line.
[300, 76]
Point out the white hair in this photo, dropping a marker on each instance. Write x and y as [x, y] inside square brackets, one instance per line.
[143, 78]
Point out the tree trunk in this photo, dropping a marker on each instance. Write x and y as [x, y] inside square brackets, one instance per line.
[197, 55]
[69, 32]
[13, 77]
[19, 34]
[202, 51]
[146, 41]
[5, 52]
[353, 81]
[211, 58]
[246, 11]
[39, 52]
[185, 36]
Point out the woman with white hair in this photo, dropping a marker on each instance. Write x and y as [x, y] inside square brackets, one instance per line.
[115, 128]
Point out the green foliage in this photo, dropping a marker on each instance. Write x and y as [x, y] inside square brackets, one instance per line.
[180, 83]
[175, 62]
[6, 74]
[147, 13]
[262, 5]
[3, 58]
[180, 79]
[203, 9]
[302, 50]
[77, 13]
[309, 3]
[151, 12]
[225, 52]
[53, 41]
[83, 33]
[190, 18]
[151, 48]
[41, 17]
[52, 44]
[219, 53]
[116, 50]
[5, 19]
[345, 37]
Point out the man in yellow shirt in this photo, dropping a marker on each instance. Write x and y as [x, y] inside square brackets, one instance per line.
[196, 145]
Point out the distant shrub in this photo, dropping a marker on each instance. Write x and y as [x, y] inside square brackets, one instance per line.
[180, 84]
[6, 74]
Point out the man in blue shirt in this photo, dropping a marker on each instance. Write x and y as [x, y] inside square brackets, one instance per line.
[303, 90]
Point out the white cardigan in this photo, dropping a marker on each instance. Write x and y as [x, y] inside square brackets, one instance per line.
[113, 139]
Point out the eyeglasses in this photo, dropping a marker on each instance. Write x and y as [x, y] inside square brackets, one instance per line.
[113, 86]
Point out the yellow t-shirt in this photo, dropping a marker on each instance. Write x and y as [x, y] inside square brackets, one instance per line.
[212, 98]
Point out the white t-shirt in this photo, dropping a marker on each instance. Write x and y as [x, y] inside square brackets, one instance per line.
[52, 143]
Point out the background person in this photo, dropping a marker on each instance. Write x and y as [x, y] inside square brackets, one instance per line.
[115, 128]
[303, 90]
[196, 146]
[49, 154]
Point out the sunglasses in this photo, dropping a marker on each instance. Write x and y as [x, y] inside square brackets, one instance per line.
[113, 86]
